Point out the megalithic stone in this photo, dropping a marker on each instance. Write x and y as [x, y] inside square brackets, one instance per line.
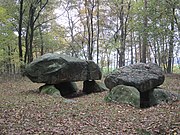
[54, 68]
[144, 77]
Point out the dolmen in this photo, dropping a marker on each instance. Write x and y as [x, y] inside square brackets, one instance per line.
[62, 71]
[144, 77]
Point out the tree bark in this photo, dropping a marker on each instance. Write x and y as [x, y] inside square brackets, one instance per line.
[88, 28]
[33, 17]
[20, 31]
[171, 46]
[92, 30]
[131, 47]
[31, 24]
[140, 47]
[145, 34]
[42, 42]
[26, 43]
[89, 9]
[98, 31]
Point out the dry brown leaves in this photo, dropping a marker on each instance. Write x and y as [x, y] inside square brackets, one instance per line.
[24, 111]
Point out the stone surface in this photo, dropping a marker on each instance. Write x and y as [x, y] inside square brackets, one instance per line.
[145, 98]
[160, 95]
[130, 95]
[53, 68]
[66, 88]
[50, 90]
[93, 87]
[124, 94]
[142, 76]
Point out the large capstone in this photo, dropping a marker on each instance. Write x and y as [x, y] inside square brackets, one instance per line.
[142, 76]
[54, 68]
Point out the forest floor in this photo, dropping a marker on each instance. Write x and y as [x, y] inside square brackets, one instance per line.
[24, 111]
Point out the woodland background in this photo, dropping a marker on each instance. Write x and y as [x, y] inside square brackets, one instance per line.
[113, 33]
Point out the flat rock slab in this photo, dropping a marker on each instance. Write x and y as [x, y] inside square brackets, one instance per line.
[53, 68]
[142, 76]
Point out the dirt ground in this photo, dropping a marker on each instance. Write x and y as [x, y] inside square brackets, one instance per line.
[24, 111]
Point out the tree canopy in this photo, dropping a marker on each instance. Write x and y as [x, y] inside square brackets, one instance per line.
[112, 33]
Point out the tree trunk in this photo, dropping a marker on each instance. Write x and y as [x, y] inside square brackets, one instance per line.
[31, 24]
[92, 31]
[8, 62]
[42, 42]
[122, 48]
[131, 47]
[155, 50]
[145, 34]
[140, 47]
[33, 17]
[88, 23]
[135, 49]
[20, 31]
[26, 43]
[158, 53]
[98, 31]
[171, 47]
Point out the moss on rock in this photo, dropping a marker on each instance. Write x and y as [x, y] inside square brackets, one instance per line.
[124, 94]
[160, 95]
[50, 90]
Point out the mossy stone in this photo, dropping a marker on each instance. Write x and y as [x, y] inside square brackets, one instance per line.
[124, 94]
[160, 95]
[50, 90]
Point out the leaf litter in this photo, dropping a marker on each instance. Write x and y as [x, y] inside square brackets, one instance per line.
[24, 111]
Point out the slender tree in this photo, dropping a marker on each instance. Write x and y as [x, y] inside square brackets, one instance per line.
[171, 46]
[21, 11]
[98, 30]
[145, 34]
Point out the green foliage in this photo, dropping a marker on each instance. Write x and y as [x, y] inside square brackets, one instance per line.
[8, 42]
[72, 37]
[9, 19]
[3, 15]
[176, 69]
[105, 70]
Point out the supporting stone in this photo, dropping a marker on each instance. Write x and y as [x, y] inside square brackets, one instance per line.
[50, 90]
[145, 99]
[88, 86]
[124, 94]
[66, 88]
[93, 87]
